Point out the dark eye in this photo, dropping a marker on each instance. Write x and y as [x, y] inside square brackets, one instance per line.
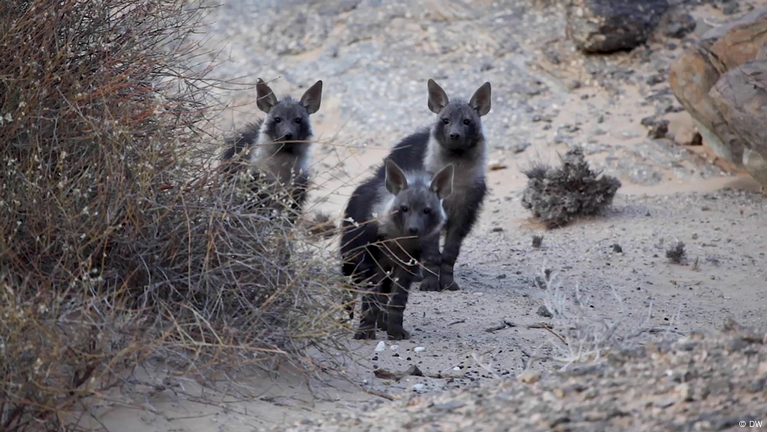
[298, 120]
[403, 209]
[466, 121]
[427, 210]
[277, 119]
[445, 121]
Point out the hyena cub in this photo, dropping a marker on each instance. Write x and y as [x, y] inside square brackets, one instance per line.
[278, 145]
[457, 138]
[387, 220]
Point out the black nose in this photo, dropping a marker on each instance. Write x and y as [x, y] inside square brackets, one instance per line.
[454, 136]
[413, 230]
[289, 136]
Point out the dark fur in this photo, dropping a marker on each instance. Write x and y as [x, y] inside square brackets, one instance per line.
[387, 220]
[464, 146]
[278, 147]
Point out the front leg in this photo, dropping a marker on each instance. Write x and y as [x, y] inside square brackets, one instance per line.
[459, 226]
[403, 279]
[371, 312]
[431, 260]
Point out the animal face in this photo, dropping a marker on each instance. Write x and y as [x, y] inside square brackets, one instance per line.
[416, 209]
[287, 120]
[459, 127]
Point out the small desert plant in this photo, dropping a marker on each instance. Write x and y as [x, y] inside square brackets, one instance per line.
[586, 337]
[119, 241]
[676, 253]
[556, 196]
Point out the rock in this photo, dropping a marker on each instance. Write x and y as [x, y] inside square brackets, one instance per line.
[519, 148]
[687, 137]
[529, 377]
[739, 95]
[604, 26]
[573, 84]
[676, 24]
[696, 72]
[449, 406]
[496, 165]
[381, 346]
[658, 128]
[419, 349]
[544, 312]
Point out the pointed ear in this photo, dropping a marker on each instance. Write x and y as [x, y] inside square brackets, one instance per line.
[266, 100]
[437, 97]
[442, 183]
[480, 101]
[396, 181]
[312, 98]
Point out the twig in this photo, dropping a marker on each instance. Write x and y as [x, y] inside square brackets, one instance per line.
[378, 393]
[547, 327]
[461, 321]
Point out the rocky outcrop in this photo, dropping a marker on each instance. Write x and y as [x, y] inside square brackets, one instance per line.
[699, 69]
[603, 26]
[740, 95]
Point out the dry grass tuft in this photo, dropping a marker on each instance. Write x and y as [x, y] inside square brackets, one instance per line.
[583, 337]
[556, 196]
[119, 241]
[676, 253]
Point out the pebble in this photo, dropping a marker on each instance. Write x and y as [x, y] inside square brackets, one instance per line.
[529, 377]
[381, 346]
[419, 349]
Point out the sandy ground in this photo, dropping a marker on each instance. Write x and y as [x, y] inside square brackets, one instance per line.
[372, 99]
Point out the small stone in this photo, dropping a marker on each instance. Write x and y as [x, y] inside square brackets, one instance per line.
[529, 377]
[655, 79]
[496, 165]
[449, 406]
[684, 392]
[685, 136]
[497, 229]
[381, 346]
[617, 248]
[519, 148]
[419, 349]
[573, 84]
[418, 387]
[544, 312]
[761, 370]
[665, 403]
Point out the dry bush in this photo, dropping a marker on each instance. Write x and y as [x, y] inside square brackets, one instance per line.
[556, 196]
[119, 240]
[584, 337]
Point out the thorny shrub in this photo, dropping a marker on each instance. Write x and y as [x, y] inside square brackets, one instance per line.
[119, 242]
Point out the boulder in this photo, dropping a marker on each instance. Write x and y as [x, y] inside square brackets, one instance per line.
[697, 71]
[740, 95]
[604, 26]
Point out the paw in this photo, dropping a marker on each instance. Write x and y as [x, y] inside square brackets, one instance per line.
[447, 283]
[431, 283]
[398, 334]
[365, 334]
